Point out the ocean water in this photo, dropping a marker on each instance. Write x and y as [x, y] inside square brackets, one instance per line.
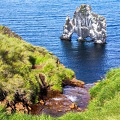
[40, 22]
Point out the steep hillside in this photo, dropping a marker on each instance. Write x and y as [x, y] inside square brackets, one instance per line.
[26, 70]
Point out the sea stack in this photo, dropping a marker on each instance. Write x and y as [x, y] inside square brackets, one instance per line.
[85, 24]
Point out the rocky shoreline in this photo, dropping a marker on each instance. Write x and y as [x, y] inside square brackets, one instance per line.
[73, 99]
[37, 83]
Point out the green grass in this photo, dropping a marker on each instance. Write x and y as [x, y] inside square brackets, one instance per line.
[24, 117]
[16, 60]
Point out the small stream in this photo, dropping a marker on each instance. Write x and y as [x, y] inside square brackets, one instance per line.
[73, 99]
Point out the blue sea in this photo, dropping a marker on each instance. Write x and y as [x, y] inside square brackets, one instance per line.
[40, 22]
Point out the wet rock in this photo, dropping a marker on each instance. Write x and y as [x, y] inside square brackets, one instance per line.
[73, 106]
[42, 102]
[79, 109]
[74, 82]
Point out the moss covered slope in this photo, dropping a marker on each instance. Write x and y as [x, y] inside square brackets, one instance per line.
[25, 69]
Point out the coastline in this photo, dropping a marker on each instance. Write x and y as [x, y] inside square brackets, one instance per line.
[39, 65]
[30, 85]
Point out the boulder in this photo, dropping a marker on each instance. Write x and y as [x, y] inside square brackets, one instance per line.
[74, 82]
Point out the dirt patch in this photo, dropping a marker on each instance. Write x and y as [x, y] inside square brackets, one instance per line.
[8, 32]
[74, 82]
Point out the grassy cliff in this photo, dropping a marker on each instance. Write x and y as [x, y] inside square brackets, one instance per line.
[25, 69]
[104, 104]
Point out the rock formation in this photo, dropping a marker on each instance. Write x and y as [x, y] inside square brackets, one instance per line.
[85, 24]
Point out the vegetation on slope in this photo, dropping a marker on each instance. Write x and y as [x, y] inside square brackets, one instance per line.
[26, 69]
[105, 100]
[105, 103]
[105, 95]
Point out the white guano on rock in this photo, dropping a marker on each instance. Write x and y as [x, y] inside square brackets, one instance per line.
[85, 24]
